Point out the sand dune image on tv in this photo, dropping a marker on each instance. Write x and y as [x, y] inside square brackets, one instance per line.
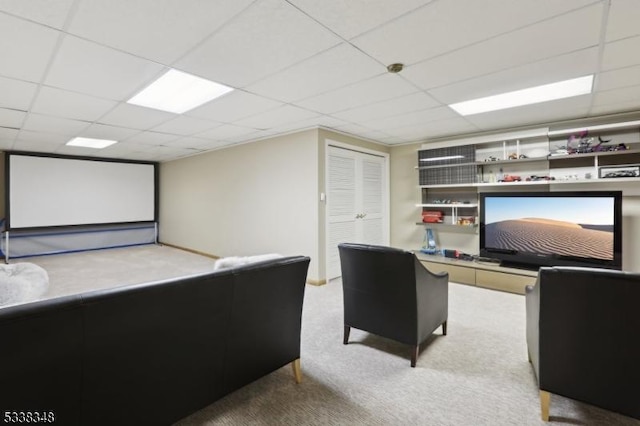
[548, 236]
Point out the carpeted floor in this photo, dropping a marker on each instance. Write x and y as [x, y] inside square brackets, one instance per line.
[476, 375]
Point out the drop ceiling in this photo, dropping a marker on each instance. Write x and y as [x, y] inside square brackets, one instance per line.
[67, 68]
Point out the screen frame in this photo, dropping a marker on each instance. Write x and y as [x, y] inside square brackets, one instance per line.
[533, 261]
[7, 185]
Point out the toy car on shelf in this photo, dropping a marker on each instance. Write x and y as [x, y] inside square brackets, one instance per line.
[535, 178]
[510, 178]
[491, 158]
[621, 173]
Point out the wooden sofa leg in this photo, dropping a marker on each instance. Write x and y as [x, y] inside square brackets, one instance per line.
[444, 328]
[414, 354]
[347, 330]
[297, 373]
[545, 400]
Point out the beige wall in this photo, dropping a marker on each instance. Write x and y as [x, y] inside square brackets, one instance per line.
[254, 198]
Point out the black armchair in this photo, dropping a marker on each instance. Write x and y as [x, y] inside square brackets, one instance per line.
[388, 292]
[583, 337]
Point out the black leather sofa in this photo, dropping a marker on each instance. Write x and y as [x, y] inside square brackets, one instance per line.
[388, 292]
[151, 354]
[583, 337]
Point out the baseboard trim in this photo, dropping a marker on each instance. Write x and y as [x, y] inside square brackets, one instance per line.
[201, 253]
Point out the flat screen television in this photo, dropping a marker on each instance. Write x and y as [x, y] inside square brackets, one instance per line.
[533, 229]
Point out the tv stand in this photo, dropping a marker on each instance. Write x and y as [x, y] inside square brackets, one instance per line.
[481, 274]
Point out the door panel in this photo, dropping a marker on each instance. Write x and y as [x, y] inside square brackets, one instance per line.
[357, 209]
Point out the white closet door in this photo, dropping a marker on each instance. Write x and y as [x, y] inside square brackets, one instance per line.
[356, 202]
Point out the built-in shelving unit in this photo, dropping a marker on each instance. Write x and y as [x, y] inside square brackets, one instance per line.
[451, 177]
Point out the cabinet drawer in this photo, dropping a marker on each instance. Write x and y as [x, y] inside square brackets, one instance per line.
[503, 281]
[457, 274]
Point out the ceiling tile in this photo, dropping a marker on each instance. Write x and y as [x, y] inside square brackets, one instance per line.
[624, 16]
[226, 131]
[334, 68]
[267, 37]
[186, 126]
[135, 117]
[7, 134]
[380, 88]
[622, 95]
[161, 30]
[622, 53]
[411, 119]
[102, 131]
[16, 94]
[48, 124]
[506, 51]
[62, 103]
[434, 129]
[186, 142]
[389, 108]
[46, 139]
[25, 48]
[151, 138]
[618, 78]
[50, 13]
[234, 106]
[88, 68]
[558, 68]
[439, 27]
[37, 146]
[286, 114]
[346, 17]
[618, 107]
[11, 117]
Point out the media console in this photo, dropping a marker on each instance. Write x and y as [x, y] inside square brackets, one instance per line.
[480, 274]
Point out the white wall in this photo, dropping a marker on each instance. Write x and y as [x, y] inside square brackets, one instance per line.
[254, 198]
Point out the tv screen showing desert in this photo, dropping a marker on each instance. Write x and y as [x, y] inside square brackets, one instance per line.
[565, 226]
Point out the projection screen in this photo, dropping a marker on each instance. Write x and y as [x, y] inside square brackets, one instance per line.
[60, 191]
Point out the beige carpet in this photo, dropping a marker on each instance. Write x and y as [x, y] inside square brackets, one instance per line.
[74, 273]
[476, 375]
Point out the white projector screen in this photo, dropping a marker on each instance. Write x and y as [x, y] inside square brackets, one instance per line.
[52, 191]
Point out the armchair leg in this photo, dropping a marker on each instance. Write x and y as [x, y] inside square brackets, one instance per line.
[414, 354]
[297, 373]
[347, 330]
[545, 400]
[444, 328]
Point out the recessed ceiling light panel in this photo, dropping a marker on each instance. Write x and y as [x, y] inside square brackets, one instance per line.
[532, 95]
[178, 92]
[91, 143]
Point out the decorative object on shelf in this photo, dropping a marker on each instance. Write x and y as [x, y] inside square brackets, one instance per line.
[560, 150]
[510, 178]
[535, 178]
[429, 245]
[630, 170]
[466, 220]
[491, 158]
[432, 216]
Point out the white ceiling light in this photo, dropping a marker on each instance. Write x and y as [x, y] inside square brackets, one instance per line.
[532, 95]
[91, 143]
[178, 92]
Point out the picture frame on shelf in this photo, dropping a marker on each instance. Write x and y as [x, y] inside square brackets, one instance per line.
[620, 171]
